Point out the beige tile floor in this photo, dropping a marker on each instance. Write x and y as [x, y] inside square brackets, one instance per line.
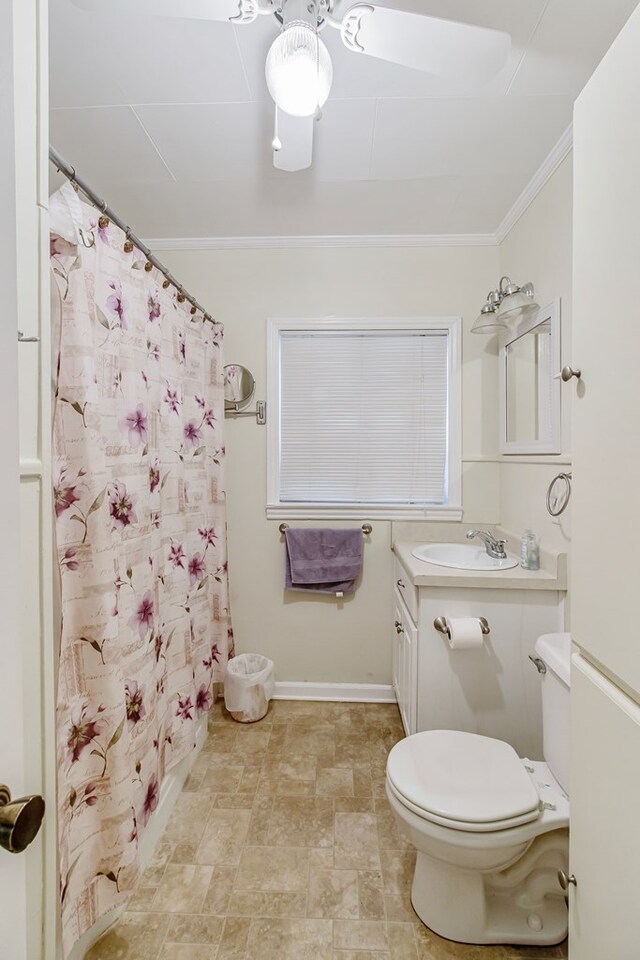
[282, 847]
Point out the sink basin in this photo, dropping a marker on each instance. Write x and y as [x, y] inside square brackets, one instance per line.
[462, 556]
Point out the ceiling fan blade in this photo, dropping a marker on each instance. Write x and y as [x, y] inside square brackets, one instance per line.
[296, 138]
[234, 11]
[442, 47]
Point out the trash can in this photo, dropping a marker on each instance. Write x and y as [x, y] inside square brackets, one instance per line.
[248, 686]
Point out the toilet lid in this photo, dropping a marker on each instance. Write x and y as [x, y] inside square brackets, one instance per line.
[462, 777]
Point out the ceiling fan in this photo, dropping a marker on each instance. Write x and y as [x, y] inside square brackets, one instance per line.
[298, 67]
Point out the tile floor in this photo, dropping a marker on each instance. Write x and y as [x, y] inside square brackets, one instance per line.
[282, 847]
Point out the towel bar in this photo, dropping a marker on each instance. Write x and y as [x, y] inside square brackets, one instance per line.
[366, 528]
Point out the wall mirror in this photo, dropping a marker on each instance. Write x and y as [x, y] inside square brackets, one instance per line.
[529, 384]
[238, 386]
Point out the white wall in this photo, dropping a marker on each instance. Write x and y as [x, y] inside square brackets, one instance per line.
[539, 249]
[321, 639]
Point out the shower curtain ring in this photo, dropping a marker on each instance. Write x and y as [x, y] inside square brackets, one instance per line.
[103, 220]
[128, 244]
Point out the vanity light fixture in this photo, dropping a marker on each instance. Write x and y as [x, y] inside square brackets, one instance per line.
[507, 303]
[487, 320]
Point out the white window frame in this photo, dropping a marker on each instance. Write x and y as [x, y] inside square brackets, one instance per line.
[452, 510]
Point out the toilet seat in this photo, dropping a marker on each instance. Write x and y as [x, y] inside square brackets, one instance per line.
[463, 781]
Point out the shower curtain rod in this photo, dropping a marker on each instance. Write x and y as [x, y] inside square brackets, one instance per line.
[69, 172]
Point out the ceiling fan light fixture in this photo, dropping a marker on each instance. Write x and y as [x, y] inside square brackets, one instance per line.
[299, 70]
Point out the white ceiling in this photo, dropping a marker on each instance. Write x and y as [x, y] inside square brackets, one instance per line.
[171, 121]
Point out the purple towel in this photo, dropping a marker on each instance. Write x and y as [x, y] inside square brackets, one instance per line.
[322, 559]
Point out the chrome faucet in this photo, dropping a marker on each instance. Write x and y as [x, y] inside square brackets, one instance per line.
[493, 546]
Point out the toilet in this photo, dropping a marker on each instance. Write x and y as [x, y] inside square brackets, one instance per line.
[491, 830]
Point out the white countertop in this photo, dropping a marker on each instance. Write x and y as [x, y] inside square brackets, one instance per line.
[424, 574]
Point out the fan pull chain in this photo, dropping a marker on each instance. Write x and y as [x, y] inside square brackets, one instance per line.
[318, 113]
[276, 143]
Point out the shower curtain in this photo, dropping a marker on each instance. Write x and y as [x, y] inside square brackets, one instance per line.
[141, 544]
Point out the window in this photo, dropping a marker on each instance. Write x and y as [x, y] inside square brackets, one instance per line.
[364, 418]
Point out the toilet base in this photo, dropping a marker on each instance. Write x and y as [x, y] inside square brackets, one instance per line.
[522, 904]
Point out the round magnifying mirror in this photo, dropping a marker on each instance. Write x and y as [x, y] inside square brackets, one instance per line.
[238, 385]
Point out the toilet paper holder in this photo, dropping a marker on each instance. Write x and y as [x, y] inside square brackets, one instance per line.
[440, 623]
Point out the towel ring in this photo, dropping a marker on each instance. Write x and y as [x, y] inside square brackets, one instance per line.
[558, 494]
[366, 528]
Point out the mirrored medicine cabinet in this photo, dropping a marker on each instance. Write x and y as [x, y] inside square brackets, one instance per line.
[530, 384]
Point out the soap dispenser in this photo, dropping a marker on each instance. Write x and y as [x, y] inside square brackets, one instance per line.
[529, 551]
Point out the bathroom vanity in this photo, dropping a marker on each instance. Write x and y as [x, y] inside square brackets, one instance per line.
[493, 689]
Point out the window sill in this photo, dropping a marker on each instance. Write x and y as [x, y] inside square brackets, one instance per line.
[308, 511]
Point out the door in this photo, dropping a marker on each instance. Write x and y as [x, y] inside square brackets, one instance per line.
[27, 880]
[13, 883]
[605, 799]
[604, 789]
[606, 348]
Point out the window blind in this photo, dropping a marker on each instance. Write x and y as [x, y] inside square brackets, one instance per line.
[363, 417]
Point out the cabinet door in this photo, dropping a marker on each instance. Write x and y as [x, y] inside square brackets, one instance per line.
[405, 666]
[606, 348]
[604, 920]
[410, 679]
[397, 652]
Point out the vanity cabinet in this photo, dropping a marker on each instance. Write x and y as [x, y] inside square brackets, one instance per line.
[493, 690]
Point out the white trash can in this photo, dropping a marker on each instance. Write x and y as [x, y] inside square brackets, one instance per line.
[248, 686]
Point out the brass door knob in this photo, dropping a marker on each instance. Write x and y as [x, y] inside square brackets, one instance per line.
[19, 820]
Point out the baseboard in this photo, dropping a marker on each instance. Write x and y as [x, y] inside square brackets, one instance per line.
[170, 790]
[347, 692]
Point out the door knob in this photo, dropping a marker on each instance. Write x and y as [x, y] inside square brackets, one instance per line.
[565, 880]
[19, 820]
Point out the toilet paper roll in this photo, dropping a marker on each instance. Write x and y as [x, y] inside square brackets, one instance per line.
[465, 633]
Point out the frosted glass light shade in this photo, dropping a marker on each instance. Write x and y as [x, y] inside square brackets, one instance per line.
[487, 322]
[515, 304]
[299, 71]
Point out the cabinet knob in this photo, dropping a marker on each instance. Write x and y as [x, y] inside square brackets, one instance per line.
[565, 880]
[567, 372]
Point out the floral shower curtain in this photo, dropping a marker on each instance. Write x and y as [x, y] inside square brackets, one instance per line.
[141, 541]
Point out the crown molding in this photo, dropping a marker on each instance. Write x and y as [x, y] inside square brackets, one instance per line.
[301, 243]
[546, 170]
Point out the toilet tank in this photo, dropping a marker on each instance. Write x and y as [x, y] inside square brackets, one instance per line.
[554, 649]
